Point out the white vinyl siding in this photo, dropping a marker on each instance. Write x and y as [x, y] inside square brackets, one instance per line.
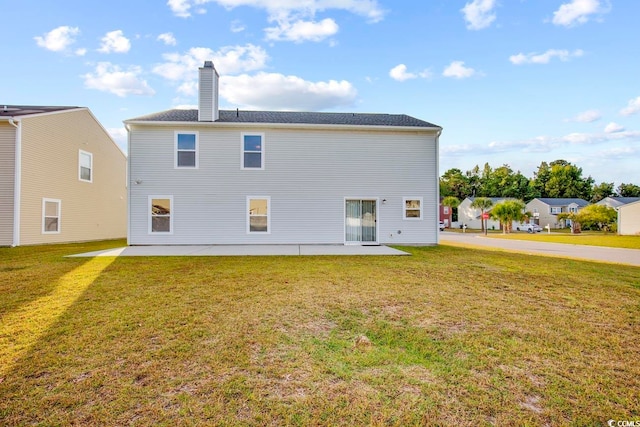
[85, 166]
[258, 217]
[186, 150]
[7, 182]
[412, 208]
[252, 151]
[51, 213]
[310, 172]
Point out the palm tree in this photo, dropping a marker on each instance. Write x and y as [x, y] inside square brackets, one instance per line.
[484, 204]
[507, 212]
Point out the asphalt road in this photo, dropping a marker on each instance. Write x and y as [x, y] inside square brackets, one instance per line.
[590, 253]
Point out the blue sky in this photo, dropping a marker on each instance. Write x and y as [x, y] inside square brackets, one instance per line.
[512, 82]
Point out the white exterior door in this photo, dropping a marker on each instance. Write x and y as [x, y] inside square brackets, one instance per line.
[361, 222]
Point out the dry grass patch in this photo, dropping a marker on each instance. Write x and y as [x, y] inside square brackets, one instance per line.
[455, 336]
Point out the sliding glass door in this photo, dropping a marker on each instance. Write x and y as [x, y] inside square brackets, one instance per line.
[360, 221]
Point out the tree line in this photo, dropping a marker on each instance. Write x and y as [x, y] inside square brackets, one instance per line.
[557, 179]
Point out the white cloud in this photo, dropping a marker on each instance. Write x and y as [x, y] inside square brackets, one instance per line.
[479, 14]
[115, 41]
[168, 39]
[110, 78]
[300, 31]
[545, 58]
[273, 91]
[632, 107]
[282, 8]
[227, 60]
[399, 73]
[588, 116]
[549, 143]
[457, 70]
[81, 52]
[237, 26]
[578, 12]
[58, 39]
[294, 19]
[613, 128]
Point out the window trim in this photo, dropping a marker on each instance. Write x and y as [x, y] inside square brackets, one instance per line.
[176, 150]
[243, 151]
[80, 153]
[150, 215]
[248, 213]
[45, 200]
[404, 209]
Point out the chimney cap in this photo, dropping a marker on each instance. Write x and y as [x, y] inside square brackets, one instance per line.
[208, 64]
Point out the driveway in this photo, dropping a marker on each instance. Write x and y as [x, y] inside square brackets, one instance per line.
[590, 253]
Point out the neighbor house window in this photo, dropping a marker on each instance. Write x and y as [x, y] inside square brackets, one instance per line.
[160, 218]
[186, 150]
[252, 151]
[258, 220]
[445, 210]
[51, 216]
[556, 210]
[85, 166]
[412, 207]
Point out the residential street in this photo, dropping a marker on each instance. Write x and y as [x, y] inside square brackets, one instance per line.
[591, 253]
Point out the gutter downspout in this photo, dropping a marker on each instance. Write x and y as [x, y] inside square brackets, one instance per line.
[128, 128]
[438, 133]
[17, 183]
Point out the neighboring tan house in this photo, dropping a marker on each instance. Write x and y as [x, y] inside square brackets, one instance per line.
[62, 177]
[545, 210]
[629, 218]
[616, 202]
[211, 176]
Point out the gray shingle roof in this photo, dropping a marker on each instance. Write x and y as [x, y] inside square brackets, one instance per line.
[25, 110]
[625, 200]
[563, 202]
[291, 117]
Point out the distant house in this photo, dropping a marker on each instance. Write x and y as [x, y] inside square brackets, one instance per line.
[545, 210]
[210, 176]
[472, 217]
[616, 202]
[446, 215]
[62, 177]
[629, 218]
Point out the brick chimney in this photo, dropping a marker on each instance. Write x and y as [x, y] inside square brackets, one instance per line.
[208, 93]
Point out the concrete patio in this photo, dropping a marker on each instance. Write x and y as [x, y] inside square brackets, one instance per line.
[244, 250]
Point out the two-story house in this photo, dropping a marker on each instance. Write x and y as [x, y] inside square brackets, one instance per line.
[210, 176]
[62, 177]
[545, 210]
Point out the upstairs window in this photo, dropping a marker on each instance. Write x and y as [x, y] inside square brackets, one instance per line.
[412, 207]
[252, 151]
[556, 210]
[186, 150]
[51, 216]
[85, 166]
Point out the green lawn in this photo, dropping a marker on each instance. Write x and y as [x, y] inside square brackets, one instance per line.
[454, 336]
[589, 239]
